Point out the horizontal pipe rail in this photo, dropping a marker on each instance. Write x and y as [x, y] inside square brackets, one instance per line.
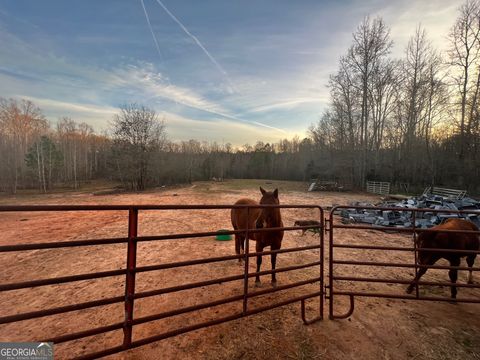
[284, 287]
[63, 244]
[186, 309]
[373, 227]
[214, 233]
[373, 247]
[86, 333]
[61, 309]
[403, 281]
[126, 207]
[406, 297]
[221, 258]
[113, 241]
[220, 280]
[401, 229]
[403, 265]
[398, 209]
[61, 280]
[399, 248]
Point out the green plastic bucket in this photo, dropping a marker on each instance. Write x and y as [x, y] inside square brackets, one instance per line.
[221, 236]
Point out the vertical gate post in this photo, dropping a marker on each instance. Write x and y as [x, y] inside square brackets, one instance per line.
[322, 288]
[246, 254]
[415, 249]
[130, 277]
[330, 268]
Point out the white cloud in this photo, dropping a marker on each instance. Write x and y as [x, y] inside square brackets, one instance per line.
[68, 106]
[220, 130]
[152, 84]
[68, 81]
[96, 116]
[437, 17]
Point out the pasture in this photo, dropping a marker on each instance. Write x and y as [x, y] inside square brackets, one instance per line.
[378, 329]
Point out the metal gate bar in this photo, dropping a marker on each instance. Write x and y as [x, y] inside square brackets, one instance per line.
[339, 263]
[131, 270]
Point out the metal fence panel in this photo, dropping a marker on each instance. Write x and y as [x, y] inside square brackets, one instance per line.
[131, 270]
[377, 187]
[338, 266]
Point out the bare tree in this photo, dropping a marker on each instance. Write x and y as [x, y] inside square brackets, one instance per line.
[21, 124]
[464, 56]
[44, 162]
[85, 135]
[371, 45]
[138, 134]
[67, 131]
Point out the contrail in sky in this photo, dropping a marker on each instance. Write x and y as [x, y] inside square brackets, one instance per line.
[154, 39]
[212, 59]
[248, 122]
[221, 114]
[151, 30]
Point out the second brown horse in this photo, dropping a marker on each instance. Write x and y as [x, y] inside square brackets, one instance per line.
[256, 218]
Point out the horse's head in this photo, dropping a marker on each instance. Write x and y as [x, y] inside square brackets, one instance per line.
[269, 197]
[269, 216]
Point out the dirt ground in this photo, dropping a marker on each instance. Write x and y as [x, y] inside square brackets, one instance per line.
[378, 328]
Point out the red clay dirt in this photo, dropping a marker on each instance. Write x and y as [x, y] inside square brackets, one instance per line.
[378, 329]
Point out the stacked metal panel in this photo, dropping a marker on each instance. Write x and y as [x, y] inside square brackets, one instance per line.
[381, 217]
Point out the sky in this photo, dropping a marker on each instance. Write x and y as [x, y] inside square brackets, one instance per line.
[234, 71]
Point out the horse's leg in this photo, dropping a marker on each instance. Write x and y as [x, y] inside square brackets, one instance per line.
[419, 275]
[258, 248]
[274, 263]
[453, 274]
[238, 245]
[470, 262]
[430, 261]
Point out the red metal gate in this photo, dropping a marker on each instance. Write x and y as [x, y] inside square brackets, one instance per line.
[131, 269]
[359, 281]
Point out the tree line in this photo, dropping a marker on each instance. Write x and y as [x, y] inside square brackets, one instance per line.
[136, 153]
[413, 120]
[36, 155]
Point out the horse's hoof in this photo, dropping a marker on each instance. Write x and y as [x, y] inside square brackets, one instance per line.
[409, 290]
[258, 283]
[470, 282]
[274, 283]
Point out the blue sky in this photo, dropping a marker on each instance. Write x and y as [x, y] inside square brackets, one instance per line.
[226, 71]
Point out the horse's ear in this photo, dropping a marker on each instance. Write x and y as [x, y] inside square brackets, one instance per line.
[262, 190]
[275, 193]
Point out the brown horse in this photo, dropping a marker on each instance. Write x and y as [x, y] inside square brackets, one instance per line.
[447, 241]
[259, 218]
